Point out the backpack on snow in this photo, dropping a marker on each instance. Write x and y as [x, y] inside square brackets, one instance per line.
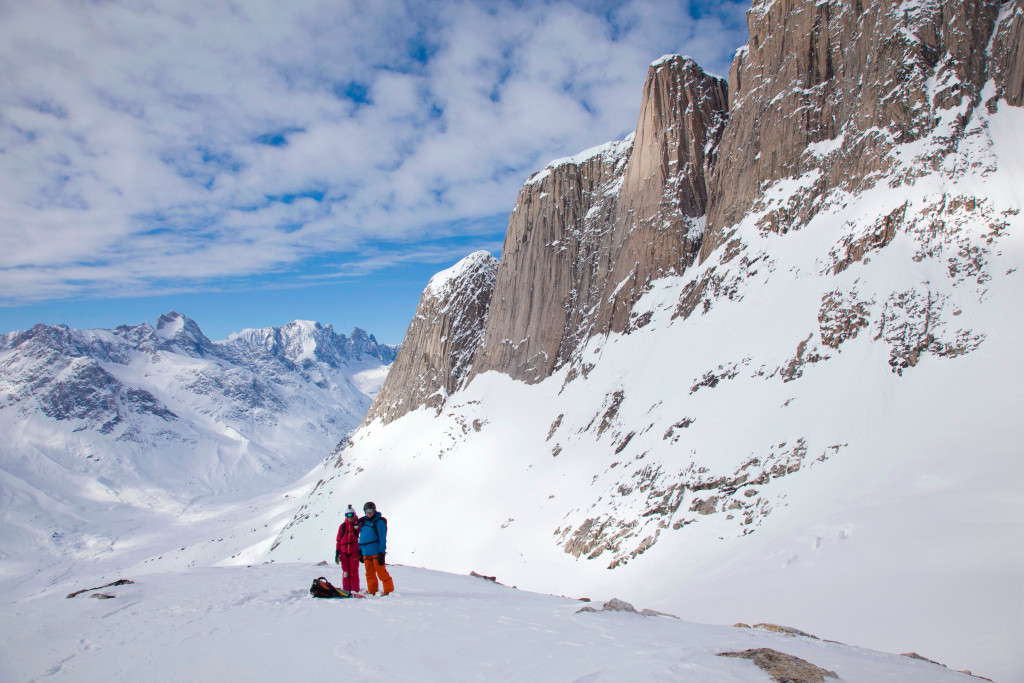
[322, 588]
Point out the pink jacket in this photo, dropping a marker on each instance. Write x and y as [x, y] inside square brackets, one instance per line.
[348, 537]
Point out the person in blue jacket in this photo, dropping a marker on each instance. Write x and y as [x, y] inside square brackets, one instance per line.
[373, 543]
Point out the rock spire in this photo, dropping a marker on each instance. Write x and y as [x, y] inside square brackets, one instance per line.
[588, 233]
[441, 341]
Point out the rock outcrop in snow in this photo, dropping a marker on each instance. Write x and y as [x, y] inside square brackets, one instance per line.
[782, 667]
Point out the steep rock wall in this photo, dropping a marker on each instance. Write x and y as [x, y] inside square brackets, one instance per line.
[588, 233]
[659, 220]
[826, 96]
[441, 340]
[1008, 53]
[825, 91]
[550, 264]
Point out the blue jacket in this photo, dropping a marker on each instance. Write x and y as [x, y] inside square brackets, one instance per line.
[373, 535]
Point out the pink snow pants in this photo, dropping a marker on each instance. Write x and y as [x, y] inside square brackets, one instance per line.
[350, 572]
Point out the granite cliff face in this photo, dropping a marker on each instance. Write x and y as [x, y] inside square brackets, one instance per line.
[1008, 54]
[586, 236]
[831, 93]
[441, 340]
[588, 233]
[826, 100]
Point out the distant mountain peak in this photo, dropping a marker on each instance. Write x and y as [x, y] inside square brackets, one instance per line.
[184, 331]
[302, 341]
[167, 408]
[171, 323]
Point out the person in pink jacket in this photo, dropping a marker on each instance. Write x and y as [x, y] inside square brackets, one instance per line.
[347, 554]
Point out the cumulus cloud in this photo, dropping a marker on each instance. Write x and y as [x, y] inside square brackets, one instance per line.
[147, 144]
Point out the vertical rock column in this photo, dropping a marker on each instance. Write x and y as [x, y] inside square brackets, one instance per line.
[1008, 53]
[659, 220]
[589, 233]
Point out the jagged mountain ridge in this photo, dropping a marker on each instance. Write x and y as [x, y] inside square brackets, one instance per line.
[103, 427]
[70, 375]
[588, 233]
[586, 237]
[834, 361]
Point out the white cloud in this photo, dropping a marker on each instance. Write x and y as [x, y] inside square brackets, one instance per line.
[147, 144]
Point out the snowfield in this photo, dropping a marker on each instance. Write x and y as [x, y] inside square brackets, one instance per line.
[259, 623]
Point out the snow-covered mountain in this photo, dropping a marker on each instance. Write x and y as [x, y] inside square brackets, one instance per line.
[111, 430]
[757, 362]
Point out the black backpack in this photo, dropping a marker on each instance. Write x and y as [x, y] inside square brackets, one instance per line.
[322, 588]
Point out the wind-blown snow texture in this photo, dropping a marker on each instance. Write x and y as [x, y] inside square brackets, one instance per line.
[818, 424]
[260, 624]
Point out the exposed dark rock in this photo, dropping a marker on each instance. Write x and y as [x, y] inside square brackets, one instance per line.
[914, 655]
[1008, 53]
[786, 630]
[913, 323]
[783, 668]
[841, 317]
[119, 582]
[794, 368]
[617, 605]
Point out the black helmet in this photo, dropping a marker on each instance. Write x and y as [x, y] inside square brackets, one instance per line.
[369, 506]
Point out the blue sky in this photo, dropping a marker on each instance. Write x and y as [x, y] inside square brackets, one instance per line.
[253, 163]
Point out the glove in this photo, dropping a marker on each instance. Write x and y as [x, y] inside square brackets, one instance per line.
[380, 559]
[337, 557]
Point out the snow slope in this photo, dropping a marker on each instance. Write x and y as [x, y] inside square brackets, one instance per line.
[827, 437]
[259, 623]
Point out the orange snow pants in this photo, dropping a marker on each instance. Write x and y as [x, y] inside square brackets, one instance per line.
[375, 569]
